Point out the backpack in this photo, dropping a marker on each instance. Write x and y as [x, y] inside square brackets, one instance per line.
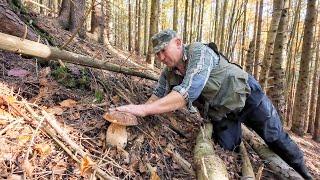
[214, 47]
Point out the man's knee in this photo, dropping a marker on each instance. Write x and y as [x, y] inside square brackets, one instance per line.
[228, 134]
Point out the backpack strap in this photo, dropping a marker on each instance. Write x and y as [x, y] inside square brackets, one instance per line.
[214, 47]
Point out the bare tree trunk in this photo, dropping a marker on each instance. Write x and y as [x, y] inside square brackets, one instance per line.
[230, 29]
[301, 103]
[222, 23]
[191, 21]
[153, 29]
[249, 59]
[145, 4]
[244, 32]
[258, 42]
[11, 24]
[290, 69]
[185, 25]
[316, 134]
[129, 27]
[97, 21]
[293, 83]
[267, 59]
[77, 14]
[216, 23]
[277, 70]
[64, 14]
[138, 34]
[201, 10]
[175, 15]
[314, 94]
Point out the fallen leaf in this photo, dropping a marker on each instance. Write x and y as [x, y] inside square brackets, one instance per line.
[15, 177]
[18, 72]
[43, 149]
[115, 99]
[59, 167]
[11, 99]
[75, 116]
[68, 103]
[85, 165]
[27, 167]
[44, 72]
[142, 167]
[3, 122]
[55, 110]
[153, 170]
[43, 82]
[23, 139]
[154, 176]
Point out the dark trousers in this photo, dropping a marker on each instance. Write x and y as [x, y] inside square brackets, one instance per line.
[260, 115]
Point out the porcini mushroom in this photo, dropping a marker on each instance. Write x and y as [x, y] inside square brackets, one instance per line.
[117, 133]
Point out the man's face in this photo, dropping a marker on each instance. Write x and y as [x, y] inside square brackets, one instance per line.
[172, 53]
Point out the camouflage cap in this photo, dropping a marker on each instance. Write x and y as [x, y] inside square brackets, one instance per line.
[162, 39]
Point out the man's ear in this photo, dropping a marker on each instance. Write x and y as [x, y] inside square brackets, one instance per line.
[178, 42]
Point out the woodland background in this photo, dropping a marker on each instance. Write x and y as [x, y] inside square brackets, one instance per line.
[277, 41]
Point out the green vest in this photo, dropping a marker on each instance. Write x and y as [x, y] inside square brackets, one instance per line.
[225, 91]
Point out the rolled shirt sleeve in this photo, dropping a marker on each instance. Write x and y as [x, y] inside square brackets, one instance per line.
[201, 60]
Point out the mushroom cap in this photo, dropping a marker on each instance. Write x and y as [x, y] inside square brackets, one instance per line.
[121, 118]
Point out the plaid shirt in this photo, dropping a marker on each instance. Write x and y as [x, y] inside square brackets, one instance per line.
[200, 60]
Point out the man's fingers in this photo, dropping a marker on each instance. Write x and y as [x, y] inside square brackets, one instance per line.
[122, 108]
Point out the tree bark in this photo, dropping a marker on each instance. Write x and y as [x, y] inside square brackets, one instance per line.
[277, 69]
[175, 15]
[316, 134]
[276, 164]
[191, 21]
[11, 24]
[246, 170]
[314, 94]
[64, 14]
[129, 27]
[222, 23]
[153, 29]
[249, 58]
[97, 22]
[208, 164]
[138, 34]
[145, 4]
[301, 103]
[266, 63]
[258, 42]
[185, 23]
[244, 32]
[15, 44]
[216, 23]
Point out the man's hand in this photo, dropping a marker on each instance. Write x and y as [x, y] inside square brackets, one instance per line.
[171, 102]
[137, 110]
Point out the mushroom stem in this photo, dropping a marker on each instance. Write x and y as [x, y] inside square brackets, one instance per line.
[117, 135]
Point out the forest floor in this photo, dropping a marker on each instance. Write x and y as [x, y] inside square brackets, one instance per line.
[78, 106]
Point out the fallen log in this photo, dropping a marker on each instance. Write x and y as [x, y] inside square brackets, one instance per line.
[247, 171]
[208, 164]
[275, 163]
[27, 47]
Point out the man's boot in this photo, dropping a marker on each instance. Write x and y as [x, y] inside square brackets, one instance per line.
[302, 169]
